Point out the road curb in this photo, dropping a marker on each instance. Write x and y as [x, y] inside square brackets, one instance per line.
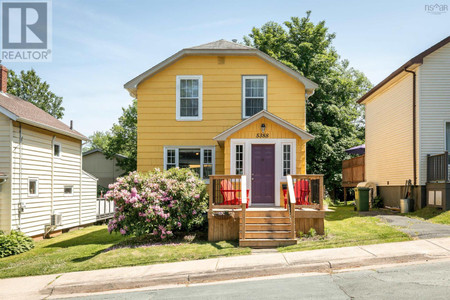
[228, 274]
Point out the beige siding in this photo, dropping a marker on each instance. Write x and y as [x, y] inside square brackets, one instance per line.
[389, 134]
[434, 104]
[36, 154]
[5, 167]
[102, 168]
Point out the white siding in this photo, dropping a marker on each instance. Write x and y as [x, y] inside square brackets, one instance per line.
[5, 167]
[389, 134]
[434, 103]
[89, 200]
[37, 159]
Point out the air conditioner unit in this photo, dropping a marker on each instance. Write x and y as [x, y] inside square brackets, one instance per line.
[55, 220]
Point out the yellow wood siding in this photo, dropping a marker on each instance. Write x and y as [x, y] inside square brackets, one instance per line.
[274, 131]
[222, 102]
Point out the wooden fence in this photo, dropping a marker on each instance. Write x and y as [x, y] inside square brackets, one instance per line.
[353, 171]
[437, 167]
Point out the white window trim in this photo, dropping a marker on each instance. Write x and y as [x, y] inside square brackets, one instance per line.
[68, 186]
[60, 149]
[202, 148]
[278, 160]
[243, 91]
[200, 98]
[292, 158]
[37, 187]
[233, 155]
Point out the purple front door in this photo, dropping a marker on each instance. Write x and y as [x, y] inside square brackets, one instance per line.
[263, 174]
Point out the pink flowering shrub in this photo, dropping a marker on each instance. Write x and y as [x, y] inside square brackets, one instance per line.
[159, 203]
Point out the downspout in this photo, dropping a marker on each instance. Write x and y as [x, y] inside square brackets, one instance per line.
[52, 174]
[414, 126]
[20, 177]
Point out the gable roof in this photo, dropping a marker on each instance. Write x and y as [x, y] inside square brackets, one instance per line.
[220, 47]
[264, 114]
[101, 151]
[26, 112]
[416, 60]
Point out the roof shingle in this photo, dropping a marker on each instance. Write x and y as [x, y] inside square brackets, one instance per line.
[26, 111]
[224, 45]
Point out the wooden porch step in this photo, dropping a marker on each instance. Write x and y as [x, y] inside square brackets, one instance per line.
[283, 234]
[267, 213]
[267, 220]
[267, 227]
[266, 243]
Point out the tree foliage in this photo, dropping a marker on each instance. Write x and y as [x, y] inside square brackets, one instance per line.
[333, 116]
[120, 139]
[30, 87]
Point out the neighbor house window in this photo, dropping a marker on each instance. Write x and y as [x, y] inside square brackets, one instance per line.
[447, 136]
[189, 98]
[287, 160]
[254, 98]
[33, 187]
[200, 160]
[57, 150]
[68, 190]
[239, 159]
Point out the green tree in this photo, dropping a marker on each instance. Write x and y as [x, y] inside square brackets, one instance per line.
[333, 116]
[30, 87]
[121, 139]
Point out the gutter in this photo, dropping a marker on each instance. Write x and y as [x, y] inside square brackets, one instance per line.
[414, 124]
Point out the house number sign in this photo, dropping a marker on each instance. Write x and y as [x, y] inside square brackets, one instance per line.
[262, 135]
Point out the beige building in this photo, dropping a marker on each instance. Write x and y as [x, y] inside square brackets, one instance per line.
[41, 176]
[408, 129]
[106, 170]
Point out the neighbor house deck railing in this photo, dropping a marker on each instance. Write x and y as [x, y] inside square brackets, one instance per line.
[437, 167]
[307, 190]
[105, 208]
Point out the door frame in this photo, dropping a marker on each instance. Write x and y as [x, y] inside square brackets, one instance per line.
[278, 160]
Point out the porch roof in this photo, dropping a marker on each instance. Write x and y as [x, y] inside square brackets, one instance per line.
[303, 134]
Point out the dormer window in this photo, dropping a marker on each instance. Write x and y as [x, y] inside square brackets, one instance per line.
[254, 95]
[189, 98]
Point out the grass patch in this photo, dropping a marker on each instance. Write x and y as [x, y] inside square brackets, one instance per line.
[94, 248]
[431, 214]
[345, 227]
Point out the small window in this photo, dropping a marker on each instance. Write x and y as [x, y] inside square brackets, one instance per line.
[68, 190]
[447, 136]
[286, 160]
[199, 160]
[189, 98]
[239, 159]
[254, 95]
[57, 150]
[33, 187]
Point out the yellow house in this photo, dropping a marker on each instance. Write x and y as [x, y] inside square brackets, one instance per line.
[225, 109]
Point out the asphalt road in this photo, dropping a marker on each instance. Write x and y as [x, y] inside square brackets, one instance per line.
[423, 281]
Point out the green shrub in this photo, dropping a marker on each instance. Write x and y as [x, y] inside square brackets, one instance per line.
[14, 243]
[378, 202]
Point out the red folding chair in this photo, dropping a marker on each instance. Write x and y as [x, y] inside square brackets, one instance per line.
[230, 195]
[301, 191]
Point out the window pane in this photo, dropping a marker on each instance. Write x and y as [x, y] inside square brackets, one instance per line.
[254, 87]
[171, 162]
[286, 160]
[239, 159]
[253, 106]
[32, 187]
[56, 150]
[189, 158]
[68, 190]
[189, 107]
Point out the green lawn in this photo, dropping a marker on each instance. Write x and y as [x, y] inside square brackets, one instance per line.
[346, 228]
[85, 250]
[430, 214]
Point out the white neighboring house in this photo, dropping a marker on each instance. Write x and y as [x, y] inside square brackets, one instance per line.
[41, 170]
[408, 130]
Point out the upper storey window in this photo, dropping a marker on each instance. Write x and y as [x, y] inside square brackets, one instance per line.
[189, 97]
[254, 95]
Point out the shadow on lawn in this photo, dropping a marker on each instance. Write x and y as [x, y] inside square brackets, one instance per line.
[98, 237]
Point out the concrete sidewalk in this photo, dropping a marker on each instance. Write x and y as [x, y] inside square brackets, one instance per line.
[226, 268]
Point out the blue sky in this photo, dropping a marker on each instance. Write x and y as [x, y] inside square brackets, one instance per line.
[99, 45]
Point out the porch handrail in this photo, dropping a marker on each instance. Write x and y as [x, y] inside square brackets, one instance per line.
[309, 178]
[291, 202]
[225, 187]
[437, 167]
[243, 202]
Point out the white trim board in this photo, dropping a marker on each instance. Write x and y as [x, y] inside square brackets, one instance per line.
[278, 160]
